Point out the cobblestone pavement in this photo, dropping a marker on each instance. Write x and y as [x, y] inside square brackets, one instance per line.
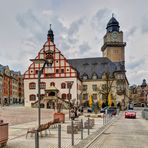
[21, 118]
[19, 114]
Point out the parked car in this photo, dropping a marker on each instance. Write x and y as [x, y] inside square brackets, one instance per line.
[112, 110]
[130, 114]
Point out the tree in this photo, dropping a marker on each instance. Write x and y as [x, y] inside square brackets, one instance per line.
[105, 90]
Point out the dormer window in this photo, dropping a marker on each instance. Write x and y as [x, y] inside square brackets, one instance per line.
[94, 76]
[85, 77]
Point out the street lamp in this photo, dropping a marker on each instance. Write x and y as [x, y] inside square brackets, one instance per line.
[69, 84]
[47, 61]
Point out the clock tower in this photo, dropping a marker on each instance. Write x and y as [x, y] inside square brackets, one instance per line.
[113, 47]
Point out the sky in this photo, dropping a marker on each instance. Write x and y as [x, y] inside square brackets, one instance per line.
[79, 27]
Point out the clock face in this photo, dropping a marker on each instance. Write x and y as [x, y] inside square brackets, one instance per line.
[114, 35]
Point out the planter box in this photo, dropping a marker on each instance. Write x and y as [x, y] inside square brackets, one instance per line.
[3, 134]
[79, 125]
[91, 123]
[69, 129]
[60, 116]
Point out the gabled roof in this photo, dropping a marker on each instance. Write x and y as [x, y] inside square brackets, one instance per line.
[97, 65]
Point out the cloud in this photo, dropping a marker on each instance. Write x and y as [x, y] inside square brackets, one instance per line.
[136, 63]
[99, 18]
[84, 48]
[144, 25]
[31, 23]
[136, 76]
[131, 32]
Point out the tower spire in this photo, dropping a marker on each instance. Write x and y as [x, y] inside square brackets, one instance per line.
[113, 24]
[112, 14]
[50, 34]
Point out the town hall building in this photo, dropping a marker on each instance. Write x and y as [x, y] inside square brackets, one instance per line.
[76, 80]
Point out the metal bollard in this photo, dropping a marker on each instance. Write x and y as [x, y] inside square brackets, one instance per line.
[72, 133]
[36, 139]
[59, 135]
[88, 125]
[81, 129]
[146, 115]
[103, 119]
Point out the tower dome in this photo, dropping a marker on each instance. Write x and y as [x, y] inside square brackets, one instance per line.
[143, 83]
[113, 25]
[50, 34]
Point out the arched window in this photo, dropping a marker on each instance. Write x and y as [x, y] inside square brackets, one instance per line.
[42, 85]
[69, 96]
[52, 84]
[32, 85]
[63, 85]
[32, 97]
[63, 96]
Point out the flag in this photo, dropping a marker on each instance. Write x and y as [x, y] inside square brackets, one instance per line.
[90, 101]
[99, 102]
[109, 99]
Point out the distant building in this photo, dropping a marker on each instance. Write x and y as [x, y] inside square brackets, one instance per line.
[90, 76]
[9, 86]
[139, 94]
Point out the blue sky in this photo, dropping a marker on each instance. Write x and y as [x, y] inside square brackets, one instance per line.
[79, 27]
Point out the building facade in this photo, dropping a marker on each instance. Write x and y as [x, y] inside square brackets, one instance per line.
[96, 77]
[9, 86]
[139, 94]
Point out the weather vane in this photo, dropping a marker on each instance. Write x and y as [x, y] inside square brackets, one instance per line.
[112, 14]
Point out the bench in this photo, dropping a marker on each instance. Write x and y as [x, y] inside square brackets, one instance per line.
[43, 127]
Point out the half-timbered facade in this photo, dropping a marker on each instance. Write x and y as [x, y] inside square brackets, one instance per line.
[59, 75]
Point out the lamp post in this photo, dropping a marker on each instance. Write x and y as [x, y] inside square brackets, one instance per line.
[69, 84]
[47, 61]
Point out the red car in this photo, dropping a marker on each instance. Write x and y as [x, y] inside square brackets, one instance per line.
[130, 114]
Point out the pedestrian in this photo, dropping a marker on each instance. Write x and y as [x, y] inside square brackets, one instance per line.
[75, 111]
[72, 114]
